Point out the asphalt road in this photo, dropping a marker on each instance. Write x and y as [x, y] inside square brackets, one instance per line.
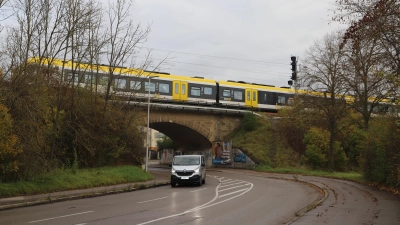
[345, 202]
[228, 197]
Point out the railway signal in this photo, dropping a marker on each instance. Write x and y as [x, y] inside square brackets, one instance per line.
[294, 67]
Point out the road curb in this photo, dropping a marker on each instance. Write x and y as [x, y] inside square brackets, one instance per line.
[110, 191]
[311, 206]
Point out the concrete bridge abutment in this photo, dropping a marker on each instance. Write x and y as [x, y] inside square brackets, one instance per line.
[195, 129]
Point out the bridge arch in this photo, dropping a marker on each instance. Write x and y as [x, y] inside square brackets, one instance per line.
[194, 129]
[186, 137]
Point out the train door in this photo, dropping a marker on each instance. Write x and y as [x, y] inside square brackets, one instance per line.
[180, 90]
[247, 101]
[254, 101]
[251, 98]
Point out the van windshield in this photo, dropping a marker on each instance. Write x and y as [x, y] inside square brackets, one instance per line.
[187, 161]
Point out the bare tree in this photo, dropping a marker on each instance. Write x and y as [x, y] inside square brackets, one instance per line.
[123, 39]
[367, 77]
[55, 49]
[379, 18]
[376, 22]
[327, 89]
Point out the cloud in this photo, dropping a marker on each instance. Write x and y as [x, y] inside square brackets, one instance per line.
[268, 31]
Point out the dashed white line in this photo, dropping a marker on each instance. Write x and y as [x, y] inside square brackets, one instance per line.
[153, 199]
[60, 217]
[198, 190]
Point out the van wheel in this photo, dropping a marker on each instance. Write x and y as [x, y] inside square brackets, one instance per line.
[204, 181]
[200, 182]
[173, 184]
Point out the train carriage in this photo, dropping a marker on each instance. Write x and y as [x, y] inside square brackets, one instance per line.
[137, 84]
[258, 96]
[194, 90]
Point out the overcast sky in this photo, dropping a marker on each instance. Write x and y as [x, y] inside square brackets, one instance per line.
[242, 40]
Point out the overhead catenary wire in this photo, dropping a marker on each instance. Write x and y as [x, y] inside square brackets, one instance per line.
[227, 68]
[177, 61]
[223, 75]
[218, 57]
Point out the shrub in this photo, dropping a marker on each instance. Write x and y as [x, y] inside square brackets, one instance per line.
[9, 150]
[317, 146]
[249, 122]
[315, 157]
[381, 157]
[340, 157]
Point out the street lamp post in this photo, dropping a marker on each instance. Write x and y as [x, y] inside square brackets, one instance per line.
[148, 121]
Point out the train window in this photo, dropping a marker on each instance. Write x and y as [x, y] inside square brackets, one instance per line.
[254, 96]
[163, 88]
[248, 95]
[183, 89]
[207, 91]
[226, 93]
[136, 85]
[152, 86]
[120, 83]
[195, 91]
[103, 80]
[281, 99]
[176, 88]
[87, 79]
[74, 76]
[238, 95]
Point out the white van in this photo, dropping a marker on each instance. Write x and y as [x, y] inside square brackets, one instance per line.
[188, 169]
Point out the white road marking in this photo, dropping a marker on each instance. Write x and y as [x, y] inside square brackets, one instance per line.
[251, 186]
[232, 181]
[232, 184]
[233, 187]
[194, 209]
[60, 217]
[153, 199]
[199, 190]
[224, 181]
[231, 193]
[208, 204]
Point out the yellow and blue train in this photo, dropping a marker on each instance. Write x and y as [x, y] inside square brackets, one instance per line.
[173, 89]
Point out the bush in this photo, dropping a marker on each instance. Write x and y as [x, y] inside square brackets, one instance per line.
[352, 142]
[9, 150]
[317, 147]
[340, 157]
[249, 122]
[381, 157]
[315, 157]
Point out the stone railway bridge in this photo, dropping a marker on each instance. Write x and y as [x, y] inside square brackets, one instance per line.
[194, 128]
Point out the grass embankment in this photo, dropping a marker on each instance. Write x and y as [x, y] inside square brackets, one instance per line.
[74, 179]
[265, 147]
[352, 176]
